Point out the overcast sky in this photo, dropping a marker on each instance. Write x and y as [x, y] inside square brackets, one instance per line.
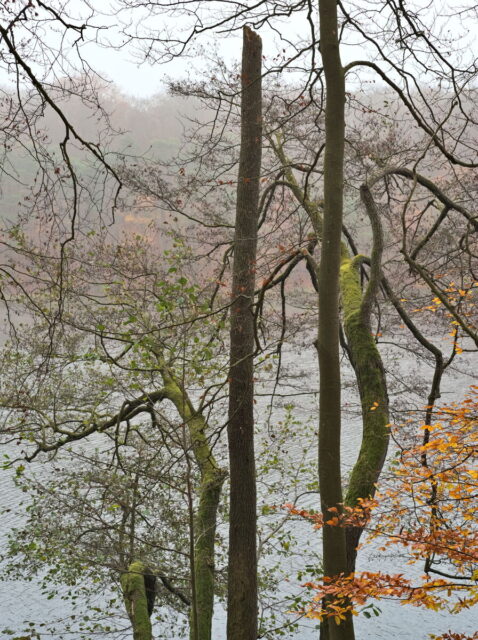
[143, 79]
[123, 66]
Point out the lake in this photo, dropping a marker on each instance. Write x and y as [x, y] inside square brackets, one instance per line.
[22, 599]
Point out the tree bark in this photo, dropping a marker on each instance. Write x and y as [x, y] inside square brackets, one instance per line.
[369, 370]
[365, 357]
[242, 576]
[212, 479]
[330, 480]
[133, 584]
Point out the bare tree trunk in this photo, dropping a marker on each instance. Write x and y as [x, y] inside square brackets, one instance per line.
[334, 545]
[242, 577]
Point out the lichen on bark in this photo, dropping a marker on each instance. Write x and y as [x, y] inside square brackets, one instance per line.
[135, 599]
[212, 477]
[372, 388]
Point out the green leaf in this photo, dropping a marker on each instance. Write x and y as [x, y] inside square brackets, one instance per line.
[19, 470]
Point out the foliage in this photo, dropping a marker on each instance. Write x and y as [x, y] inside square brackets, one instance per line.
[427, 507]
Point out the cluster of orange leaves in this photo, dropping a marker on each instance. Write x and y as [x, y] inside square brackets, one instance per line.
[454, 636]
[427, 505]
[461, 299]
[454, 295]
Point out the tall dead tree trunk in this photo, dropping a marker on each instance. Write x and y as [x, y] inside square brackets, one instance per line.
[330, 480]
[242, 577]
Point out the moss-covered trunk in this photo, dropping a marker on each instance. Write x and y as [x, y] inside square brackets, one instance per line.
[136, 601]
[205, 533]
[365, 356]
[212, 479]
[357, 306]
[242, 575]
[372, 387]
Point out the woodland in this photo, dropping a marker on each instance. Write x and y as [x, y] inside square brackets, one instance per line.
[238, 393]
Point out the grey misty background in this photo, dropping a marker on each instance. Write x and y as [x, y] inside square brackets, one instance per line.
[152, 129]
[149, 127]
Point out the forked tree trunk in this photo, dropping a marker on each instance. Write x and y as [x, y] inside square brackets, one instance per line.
[330, 481]
[242, 576]
[365, 356]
